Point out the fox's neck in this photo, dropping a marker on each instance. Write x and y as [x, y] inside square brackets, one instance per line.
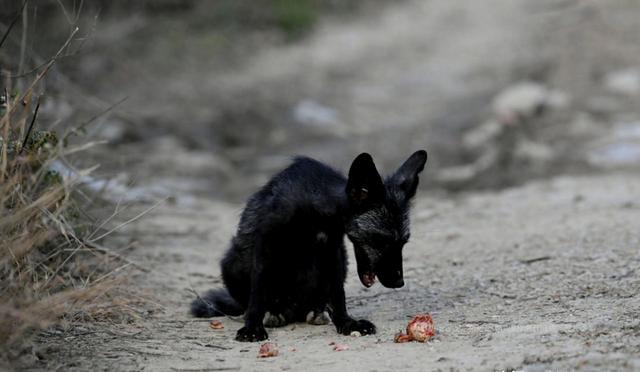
[341, 202]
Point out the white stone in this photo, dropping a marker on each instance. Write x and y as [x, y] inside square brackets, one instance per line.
[625, 81]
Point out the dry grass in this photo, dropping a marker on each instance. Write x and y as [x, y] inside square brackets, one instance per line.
[48, 269]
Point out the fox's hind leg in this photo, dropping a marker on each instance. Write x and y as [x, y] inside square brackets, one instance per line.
[261, 274]
[236, 272]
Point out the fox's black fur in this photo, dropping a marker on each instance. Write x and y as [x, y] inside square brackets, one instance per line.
[288, 259]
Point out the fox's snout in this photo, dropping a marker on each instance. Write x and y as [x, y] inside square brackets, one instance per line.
[392, 281]
[399, 283]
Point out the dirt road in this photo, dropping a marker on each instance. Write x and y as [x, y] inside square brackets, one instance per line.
[542, 277]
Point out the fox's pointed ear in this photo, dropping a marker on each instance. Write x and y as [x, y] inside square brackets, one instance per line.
[405, 179]
[364, 185]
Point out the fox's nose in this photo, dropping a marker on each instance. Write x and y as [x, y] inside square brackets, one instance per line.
[399, 283]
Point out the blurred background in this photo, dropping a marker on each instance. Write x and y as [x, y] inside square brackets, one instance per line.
[213, 97]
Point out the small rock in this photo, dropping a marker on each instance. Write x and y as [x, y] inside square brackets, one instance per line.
[481, 135]
[525, 100]
[112, 130]
[312, 113]
[534, 151]
[627, 130]
[623, 153]
[626, 82]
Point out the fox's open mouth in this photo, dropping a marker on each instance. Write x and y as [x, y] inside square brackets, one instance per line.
[368, 279]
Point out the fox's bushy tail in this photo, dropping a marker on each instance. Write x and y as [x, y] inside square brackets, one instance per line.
[216, 302]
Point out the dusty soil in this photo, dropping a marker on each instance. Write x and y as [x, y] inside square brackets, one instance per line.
[541, 277]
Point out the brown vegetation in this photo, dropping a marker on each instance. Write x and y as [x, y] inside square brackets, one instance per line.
[51, 267]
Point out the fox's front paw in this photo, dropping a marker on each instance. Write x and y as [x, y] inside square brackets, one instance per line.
[365, 327]
[251, 334]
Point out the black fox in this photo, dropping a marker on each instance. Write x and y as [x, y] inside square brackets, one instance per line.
[287, 262]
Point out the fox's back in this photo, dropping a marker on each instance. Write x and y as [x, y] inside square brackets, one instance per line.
[306, 187]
